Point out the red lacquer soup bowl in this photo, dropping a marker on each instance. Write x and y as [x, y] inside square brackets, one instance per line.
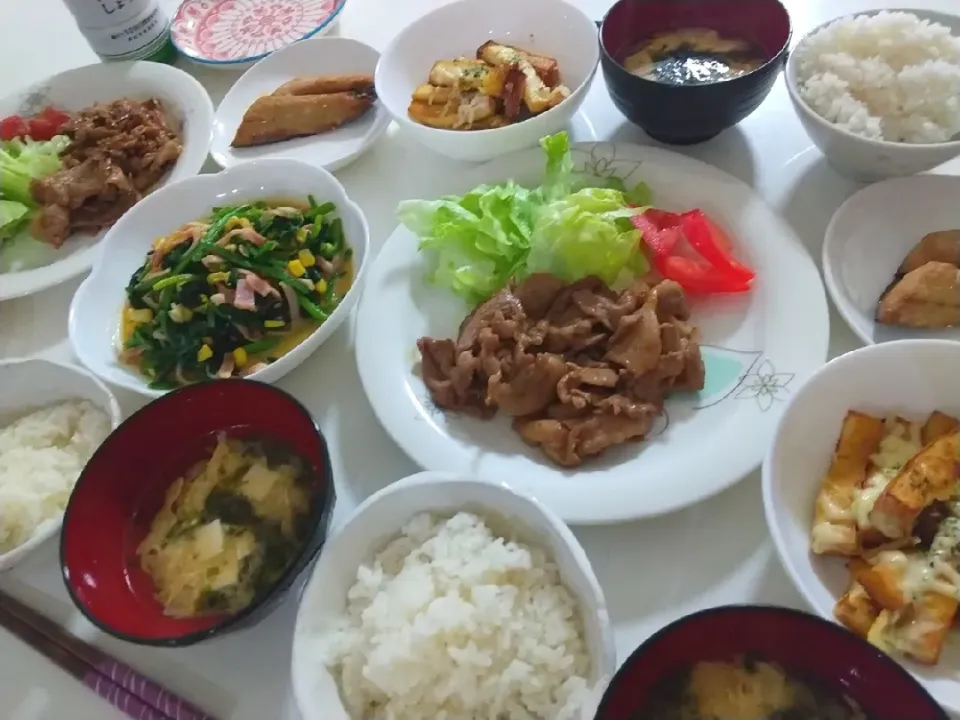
[122, 488]
[807, 647]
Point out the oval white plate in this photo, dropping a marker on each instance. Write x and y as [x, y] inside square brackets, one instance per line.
[76, 89]
[871, 234]
[318, 56]
[910, 378]
[757, 349]
[97, 305]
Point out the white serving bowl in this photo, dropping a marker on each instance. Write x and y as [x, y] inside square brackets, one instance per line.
[97, 306]
[859, 158]
[911, 378]
[380, 518]
[31, 383]
[865, 243]
[549, 27]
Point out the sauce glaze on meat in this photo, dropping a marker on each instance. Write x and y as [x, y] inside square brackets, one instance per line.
[581, 368]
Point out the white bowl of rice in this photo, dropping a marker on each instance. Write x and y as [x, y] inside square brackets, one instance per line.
[446, 597]
[879, 92]
[52, 419]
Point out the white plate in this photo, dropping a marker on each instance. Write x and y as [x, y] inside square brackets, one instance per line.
[318, 56]
[96, 309]
[871, 234]
[910, 378]
[180, 94]
[757, 349]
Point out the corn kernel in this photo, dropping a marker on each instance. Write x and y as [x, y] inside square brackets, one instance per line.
[244, 222]
[240, 357]
[302, 235]
[218, 277]
[139, 316]
[232, 224]
[296, 268]
[204, 353]
[273, 323]
[180, 313]
[321, 286]
[306, 258]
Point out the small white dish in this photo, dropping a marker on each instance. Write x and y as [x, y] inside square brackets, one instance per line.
[911, 378]
[181, 95]
[549, 27]
[860, 158]
[318, 56]
[869, 237]
[757, 347]
[380, 517]
[96, 309]
[28, 384]
[235, 34]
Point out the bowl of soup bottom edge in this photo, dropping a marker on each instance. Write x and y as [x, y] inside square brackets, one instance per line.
[689, 114]
[123, 485]
[811, 650]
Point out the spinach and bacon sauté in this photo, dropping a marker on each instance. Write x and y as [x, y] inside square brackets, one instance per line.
[226, 295]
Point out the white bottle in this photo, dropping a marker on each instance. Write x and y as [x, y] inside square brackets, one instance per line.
[125, 29]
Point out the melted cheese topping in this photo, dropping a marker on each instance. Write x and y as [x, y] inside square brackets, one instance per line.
[900, 443]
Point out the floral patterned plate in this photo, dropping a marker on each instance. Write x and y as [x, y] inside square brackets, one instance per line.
[232, 34]
[757, 348]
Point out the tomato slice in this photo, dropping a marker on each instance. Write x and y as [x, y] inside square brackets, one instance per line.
[662, 241]
[712, 244]
[699, 277]
[13, 127]
[57, 117]
[41, 129]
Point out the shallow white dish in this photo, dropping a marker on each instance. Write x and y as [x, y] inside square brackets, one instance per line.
[318, 56]
[97, 306]
[30, 383]
[181, 95]
[860, 158]
[868, 238]
[549, 27]
[909, 377]
[380, 517]
[757, 348]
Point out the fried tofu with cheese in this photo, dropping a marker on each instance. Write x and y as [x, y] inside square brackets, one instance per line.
[538, 96]
[855, 609]
[928, 476]
[834, 524]
[927, 297]
[472, 111]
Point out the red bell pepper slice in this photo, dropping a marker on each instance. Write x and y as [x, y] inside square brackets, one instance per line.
[713, 245]
[699, 277]
[662, 239]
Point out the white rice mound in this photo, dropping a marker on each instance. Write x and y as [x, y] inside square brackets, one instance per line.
[889, 76]
[451, 622]
[41, 457]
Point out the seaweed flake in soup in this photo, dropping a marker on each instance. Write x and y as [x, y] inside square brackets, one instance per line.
[693, 56]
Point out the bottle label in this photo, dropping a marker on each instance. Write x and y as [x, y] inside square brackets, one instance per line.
[138, 38]
[107, 13]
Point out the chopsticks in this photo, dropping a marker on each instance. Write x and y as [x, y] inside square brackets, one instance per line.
[119, 684]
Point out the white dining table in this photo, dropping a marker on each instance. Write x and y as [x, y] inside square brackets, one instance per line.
[652, 571]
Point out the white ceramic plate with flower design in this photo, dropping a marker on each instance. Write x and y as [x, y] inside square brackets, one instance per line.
[234, 34]
[757, 349]
[30, 266]
[317, 56]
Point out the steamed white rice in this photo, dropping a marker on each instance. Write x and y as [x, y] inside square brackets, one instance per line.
[889, 76]
[41, 457]
[452, 622]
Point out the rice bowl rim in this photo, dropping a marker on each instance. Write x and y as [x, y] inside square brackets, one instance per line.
[108, 404]
[593, 608]
[793, 85]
